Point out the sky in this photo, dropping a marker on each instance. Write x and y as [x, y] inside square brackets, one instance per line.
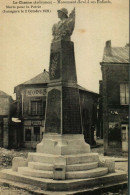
[25, 40]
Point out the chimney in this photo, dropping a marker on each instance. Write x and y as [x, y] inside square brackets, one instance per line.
[127, 45]
[108, 48]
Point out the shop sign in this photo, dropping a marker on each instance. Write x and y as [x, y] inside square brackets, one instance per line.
[36, 92]
[36, 123]
[27, 122]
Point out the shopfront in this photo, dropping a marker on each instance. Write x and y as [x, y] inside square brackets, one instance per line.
[33, 132]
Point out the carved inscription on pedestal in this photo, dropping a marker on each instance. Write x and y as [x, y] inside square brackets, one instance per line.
[54, 71]
[53, 113]
[71, 111]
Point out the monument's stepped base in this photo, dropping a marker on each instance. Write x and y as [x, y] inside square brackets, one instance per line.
[69, 159]
[74, 167]
[80, 163]
[56, 172]
[64, 174]
[100, 171]
[69, 186]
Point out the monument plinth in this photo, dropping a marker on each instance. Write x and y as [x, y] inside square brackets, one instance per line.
[63, 161]
[62, 62]
[63, 125]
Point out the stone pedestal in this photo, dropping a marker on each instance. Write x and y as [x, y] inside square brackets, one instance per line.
[63, 109]
[63, 127]
[62, 62]
[63, 144]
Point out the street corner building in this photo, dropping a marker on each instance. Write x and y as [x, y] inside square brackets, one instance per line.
[6, 110]
[114, 101]
[30, 110]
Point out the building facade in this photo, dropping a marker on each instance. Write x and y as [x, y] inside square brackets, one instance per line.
[114, 101]
[5, 118]
[88, 103]
[31, 105]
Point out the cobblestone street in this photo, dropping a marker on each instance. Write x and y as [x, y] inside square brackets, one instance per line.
[12, 191]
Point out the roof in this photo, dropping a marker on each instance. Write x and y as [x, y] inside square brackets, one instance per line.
[83, 89]
[116, 54]
[2, 93]
[43, 78]
[39, 79]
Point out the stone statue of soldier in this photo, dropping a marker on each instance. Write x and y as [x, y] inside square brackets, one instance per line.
[64, 28]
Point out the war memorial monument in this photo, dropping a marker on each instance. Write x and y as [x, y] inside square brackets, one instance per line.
[63, 162]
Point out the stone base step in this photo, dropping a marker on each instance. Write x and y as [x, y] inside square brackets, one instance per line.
[70, 159]
[75, 167]
[82, 158]
[35, 173]
[40, 166]
[89, 191]
[100, 171]
[59, 186]
[82, 166]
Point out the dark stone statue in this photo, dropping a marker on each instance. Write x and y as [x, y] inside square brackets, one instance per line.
[64, 28]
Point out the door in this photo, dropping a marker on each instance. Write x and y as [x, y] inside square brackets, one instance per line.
[124, 131]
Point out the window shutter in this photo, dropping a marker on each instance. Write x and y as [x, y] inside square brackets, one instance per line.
[127, 93]
[122, 94]
[29, 110]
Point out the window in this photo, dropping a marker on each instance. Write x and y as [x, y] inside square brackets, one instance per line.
[124, 94]
[36, 107]
[33, 134]
[125, 129]
[27, 134]
[36, 134]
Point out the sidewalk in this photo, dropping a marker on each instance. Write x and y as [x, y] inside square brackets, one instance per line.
[99, 149]
[121, 162]
[116, 159]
